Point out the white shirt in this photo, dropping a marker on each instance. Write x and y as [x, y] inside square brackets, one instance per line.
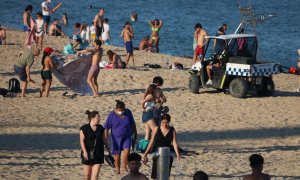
[92, 30]
[47, 6]
[105, 32]
[39, 25]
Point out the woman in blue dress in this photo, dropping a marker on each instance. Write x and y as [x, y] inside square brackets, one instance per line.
[122, 125]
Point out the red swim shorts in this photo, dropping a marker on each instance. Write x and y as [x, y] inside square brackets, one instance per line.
[199, 51]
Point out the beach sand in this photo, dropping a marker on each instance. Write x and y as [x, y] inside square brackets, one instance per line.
[39, 137]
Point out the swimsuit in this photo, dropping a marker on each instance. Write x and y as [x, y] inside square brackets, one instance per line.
[21, 72]
[129, 47]
[155, 29]
[39, 31]
[199, 51]
[94, 70]
[25, 28]
[46, 74]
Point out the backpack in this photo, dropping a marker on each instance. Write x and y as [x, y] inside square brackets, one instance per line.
[14, 85]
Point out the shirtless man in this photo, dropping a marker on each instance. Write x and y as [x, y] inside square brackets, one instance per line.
[98, 22]
[55, 29]
[145, 45]
[2, 36]
[27, 24]
[201, 41]
[127, 34]
[97, 53]
[134, 163]
[160, 98]
[256, 163]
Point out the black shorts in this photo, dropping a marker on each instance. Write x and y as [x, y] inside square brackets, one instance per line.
[46, 75]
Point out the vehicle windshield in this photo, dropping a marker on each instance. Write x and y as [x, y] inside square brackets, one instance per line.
[245, 47]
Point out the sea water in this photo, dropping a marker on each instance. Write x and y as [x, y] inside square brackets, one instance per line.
[278, 36]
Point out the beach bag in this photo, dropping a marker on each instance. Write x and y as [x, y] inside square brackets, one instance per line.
[14, 85]
[142, 145]
[3, 92]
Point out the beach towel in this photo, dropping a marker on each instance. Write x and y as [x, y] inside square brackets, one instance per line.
[74, 73]
[68, 49]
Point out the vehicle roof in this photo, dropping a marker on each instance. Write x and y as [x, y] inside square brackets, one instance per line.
[230, 36]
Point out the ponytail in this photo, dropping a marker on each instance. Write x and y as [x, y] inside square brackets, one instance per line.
[91, 114]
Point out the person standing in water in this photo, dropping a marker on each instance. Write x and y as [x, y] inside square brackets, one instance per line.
[155, 27]
[97, 53]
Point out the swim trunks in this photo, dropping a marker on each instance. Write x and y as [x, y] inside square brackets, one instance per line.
[46, 75]
[26, 29]
[21, 72]
[199, 51]
[46, 19]
[99, 31]
[94, 70]
[129, 47]
[148, 115]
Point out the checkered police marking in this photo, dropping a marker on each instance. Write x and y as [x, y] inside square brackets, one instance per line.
[246, 70]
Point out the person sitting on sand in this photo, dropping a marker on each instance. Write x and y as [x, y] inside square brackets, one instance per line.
[115, 61]
[200, 175]
[298, 69]
[155, 27]
[2, 36]
[23, 65]
[145, 45]
[55, 29]
[97, 53]
[256, 164]
[46, 73]
[134, 164]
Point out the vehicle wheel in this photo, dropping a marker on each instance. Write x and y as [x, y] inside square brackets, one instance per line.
[267, 88]
[194, 83]
[238, 88]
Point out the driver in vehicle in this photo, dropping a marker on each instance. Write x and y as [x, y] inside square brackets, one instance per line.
[213, 66]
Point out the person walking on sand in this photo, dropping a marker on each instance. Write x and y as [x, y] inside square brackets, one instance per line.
[127, 34]
[155, 27]
[92, 141]
[46, 73]
[98, 22]
[148, 105]
[27, 24]
[159, 97]
[39, 30]
[134, 164]
[97, 53]
[201, 41]
[23, 65]
[162, 136]
[122, 125]
[256, 164]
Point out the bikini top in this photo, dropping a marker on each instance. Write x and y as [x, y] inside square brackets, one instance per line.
[155, 29]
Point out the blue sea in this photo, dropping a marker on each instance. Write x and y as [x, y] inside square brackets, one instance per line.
[278, 36]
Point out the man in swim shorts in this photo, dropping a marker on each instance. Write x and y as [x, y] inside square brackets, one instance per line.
[98, 22]
[127, 34]
[22, 67]
[46, 14]
[201, 41]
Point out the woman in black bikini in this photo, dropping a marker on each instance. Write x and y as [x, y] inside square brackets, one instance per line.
[163, 136]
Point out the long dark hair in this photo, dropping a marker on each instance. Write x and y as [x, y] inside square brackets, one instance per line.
[150, 90]
[91, 114]
[29, 7]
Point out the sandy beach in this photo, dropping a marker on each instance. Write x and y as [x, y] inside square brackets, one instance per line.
[39, 137]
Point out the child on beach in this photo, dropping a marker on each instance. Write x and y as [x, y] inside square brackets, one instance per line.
[92, 141]
[256, 164]
[97, 53]
[46, 73]
[127, 34]
[39, 30]
[2, 36]
[93, 32]
[105, 36]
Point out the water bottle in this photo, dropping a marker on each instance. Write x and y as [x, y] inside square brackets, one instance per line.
[167, 64]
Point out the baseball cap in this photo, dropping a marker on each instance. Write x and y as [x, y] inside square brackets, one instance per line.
[48, 50]
[127, 23]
